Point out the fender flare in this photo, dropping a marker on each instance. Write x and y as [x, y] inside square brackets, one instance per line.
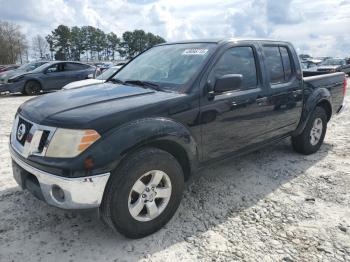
[33, 79]
[118, 143]
[320, 95]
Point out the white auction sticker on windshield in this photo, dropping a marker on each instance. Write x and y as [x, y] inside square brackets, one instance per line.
[195, 51]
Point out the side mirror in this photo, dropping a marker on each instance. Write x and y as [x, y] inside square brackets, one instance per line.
[90, 76]
[228, 83]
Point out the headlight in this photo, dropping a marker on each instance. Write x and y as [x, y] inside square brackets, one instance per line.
[15, 79]
[70, 142]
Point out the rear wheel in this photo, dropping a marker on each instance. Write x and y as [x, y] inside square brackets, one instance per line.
[311, 139]
[143, 194]
[32, 88]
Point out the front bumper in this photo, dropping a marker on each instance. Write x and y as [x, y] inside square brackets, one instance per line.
[14, 87]
[62, 192]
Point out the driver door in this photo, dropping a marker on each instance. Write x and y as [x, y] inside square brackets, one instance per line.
[54, 77]
[233, 120]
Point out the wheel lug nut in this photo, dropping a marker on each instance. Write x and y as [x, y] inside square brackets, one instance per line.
[143, 196]
[147, 189]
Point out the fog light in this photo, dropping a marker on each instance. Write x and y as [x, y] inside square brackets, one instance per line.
[57, 193]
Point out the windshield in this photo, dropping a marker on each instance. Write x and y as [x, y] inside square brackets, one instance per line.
[169, 66]
[333, 62]
[40, 68]
[108, 73]
[29, 66]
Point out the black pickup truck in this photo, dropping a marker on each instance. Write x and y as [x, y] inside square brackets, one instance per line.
[128, 145]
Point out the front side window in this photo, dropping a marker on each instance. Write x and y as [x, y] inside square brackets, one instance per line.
[169, 66]
[56, 68]
[236, 60]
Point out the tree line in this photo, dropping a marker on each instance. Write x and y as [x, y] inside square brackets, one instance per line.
[91, 43]
[13, 46]
[85, 43]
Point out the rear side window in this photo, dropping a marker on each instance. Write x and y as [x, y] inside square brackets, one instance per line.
[278, 63]
[237, 60]
[74, 67]
[286, 63]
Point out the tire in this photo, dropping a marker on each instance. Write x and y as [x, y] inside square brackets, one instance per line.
[32, 88]
[307, 143]
[119, 197]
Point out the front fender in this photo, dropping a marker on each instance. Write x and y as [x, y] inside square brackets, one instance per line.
[34, 78]
[313, 98]
[118, 142]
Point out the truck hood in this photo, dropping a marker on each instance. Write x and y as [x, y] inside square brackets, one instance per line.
[97, 107]
[82, 83]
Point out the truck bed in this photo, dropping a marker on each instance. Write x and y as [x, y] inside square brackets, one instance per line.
[334, 83]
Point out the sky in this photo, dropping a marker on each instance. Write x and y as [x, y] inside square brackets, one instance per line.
[315, 27]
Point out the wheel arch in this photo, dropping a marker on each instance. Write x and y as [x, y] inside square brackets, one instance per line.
[320, 97]
[33, 80]
[173, 148]
[326, 105]
[162, 133]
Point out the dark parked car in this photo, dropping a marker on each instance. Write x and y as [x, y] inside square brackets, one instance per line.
[334, 65]
[4, 68]
[6, 75]
[48, 77]
[128, 145]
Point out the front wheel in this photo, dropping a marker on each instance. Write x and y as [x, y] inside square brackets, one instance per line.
[32, 88]
[311, 139]
[143, 194]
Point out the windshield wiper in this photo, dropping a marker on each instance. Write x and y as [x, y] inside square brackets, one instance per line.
[144, 84]
[116, 80]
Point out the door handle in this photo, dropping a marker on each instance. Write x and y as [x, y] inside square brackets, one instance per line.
[261, 101]
[297, 92]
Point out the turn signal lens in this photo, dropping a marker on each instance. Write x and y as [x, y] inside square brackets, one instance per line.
[88, 139]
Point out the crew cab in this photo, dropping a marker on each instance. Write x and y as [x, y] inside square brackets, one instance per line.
[128, 145]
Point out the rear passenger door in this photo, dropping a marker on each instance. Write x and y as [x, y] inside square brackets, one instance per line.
[284, 100]
[75, 72]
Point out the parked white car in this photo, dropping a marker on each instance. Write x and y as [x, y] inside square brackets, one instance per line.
[98, 80]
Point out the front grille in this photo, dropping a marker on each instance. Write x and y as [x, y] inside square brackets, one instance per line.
[28, 126]
[29, 138]
[43, 140]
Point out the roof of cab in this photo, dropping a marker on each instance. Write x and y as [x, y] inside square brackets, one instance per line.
[224, 40]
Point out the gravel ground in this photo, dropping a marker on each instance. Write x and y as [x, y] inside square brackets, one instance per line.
[271, 205]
